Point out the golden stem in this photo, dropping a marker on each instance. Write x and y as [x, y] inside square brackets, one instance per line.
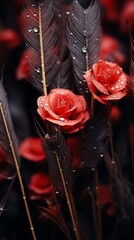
[61, 216]
[75, 226]
[42, 54]
[18, 173]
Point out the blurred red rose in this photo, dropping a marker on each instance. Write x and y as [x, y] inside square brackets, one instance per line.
[106, 81]
[127, 16]
[110, 50]
[22, 71]
[65, 109]
[75, 148]
[31, 149]
[40, 186]
[115, 114]
[9, 38]
[111, 9]
[106, 200]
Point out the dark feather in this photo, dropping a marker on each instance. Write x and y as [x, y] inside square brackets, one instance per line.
[64, 76]
[132, 60]
[94, 138]
[59, 159]
[6, 125]
[83, 39]
[52, 216]
[41, 33]
[121, 189]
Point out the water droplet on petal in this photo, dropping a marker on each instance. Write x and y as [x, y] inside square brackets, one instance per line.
[30, 30]
[28, 15]
[114, 96]
[94, 148]
[112, 88]
[84, 49]
[57, 192]
[46, 104]
[116, 86]
[35, 14]
[59, 15]
[118, 72]
[62, 119]
[101, 155]
[74, 57]
[122, 82]
[58, 62]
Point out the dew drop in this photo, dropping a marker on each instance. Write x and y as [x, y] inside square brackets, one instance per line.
[62, 119]
[58, 62]
[59, 15]
[29, 30]
[84, 49]
[46, 103]
[116, 86]
[114, 96]
[74, 57]
[1, 209]
[84, 32]
[35, 29]
[38, 70]
[93, 169]
[71, 33]
[35, 14]
[95, 148]
[101, 155]
[57, 192]
[33, 5]
[122, 82]
[118, 72]
[28, 15]
[67, 12]
[74, 170]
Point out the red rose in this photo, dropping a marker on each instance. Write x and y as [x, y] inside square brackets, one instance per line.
[40, 186]
[106, 81]
[65, 109]
[31, 149]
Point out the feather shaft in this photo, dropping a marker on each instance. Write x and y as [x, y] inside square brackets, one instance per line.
[8, 140]
[42, 54]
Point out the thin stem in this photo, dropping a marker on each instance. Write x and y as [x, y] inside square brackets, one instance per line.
[67, 194]
[98, 205]
[18, 172]
[94, 215]
[61, 216]
[42, 54]
[4, 200]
